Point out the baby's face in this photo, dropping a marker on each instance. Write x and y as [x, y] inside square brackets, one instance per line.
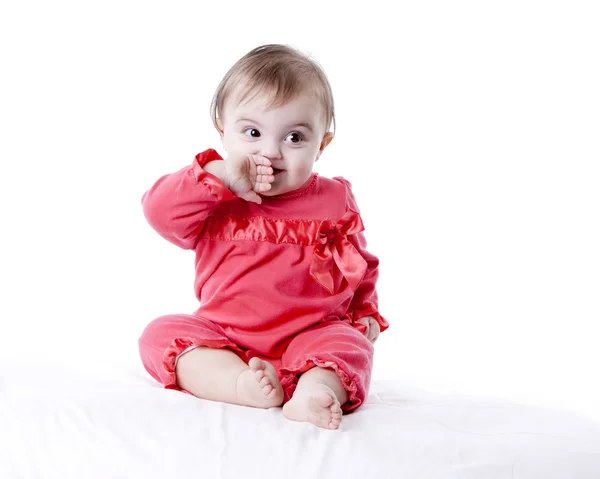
[291, 136]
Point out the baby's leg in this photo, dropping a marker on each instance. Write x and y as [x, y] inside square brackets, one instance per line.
[333, 361]
[220, 375]
[192, 353]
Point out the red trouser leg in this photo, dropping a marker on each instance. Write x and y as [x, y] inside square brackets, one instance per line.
[167, 337]
[334, 345]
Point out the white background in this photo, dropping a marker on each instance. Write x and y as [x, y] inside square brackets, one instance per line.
[470, 132]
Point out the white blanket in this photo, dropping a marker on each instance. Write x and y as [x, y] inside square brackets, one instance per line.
[59, 424]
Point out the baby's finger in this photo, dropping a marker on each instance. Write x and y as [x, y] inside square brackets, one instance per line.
[265, 178]
[261, 186]
[371, 334]
[260, 160]
[264, 170]
[374, 329]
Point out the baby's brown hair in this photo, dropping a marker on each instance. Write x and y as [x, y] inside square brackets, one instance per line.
[280, 69]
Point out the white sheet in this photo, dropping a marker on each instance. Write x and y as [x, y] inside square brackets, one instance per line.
[67, 424]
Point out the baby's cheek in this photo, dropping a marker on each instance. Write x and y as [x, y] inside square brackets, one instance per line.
[306, 167]
[241, 150]
[236, 147]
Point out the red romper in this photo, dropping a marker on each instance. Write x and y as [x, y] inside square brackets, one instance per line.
[284, 280]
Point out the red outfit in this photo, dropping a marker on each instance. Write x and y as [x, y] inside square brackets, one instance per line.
[284, 280]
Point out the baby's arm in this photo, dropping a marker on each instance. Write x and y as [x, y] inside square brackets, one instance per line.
[178, 203]
[365, 302]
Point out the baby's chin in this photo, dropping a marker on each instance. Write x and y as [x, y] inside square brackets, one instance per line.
[281, 187]
[275, 191]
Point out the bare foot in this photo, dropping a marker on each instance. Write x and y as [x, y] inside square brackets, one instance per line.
[317, 405]
[259, 386]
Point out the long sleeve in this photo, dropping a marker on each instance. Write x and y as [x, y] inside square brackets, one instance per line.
[365, 301]
[178, 203]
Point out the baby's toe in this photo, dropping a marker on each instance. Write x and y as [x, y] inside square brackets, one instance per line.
[260, 375]
[264, 382]
[268, 389]
[324, 400]
[256, 364]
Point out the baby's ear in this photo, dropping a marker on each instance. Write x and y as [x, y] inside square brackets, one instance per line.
[324, 142]
[220, 127]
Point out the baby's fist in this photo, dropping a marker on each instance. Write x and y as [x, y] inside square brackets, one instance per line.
[248, 175]
[373, 329]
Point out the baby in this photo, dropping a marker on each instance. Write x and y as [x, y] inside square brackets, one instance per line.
[288, 307]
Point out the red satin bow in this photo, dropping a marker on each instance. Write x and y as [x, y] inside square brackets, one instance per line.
[333, 249]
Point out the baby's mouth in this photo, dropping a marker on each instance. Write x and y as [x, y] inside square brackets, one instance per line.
[276, 170]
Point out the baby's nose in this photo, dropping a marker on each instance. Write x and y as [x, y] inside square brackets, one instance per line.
[271, 151]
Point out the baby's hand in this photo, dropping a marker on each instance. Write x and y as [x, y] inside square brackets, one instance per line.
[373, 329]
[248, 175]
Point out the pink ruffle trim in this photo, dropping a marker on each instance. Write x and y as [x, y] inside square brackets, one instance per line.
[214, 185]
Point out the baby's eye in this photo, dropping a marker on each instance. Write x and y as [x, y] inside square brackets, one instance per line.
[253, 132]
[295, 137]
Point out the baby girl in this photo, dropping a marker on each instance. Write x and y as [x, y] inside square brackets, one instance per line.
[288, 307]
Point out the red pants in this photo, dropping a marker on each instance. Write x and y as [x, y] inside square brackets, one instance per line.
[335, 345]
